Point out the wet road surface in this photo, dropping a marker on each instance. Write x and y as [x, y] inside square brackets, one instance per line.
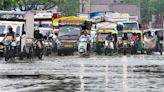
[138, 73]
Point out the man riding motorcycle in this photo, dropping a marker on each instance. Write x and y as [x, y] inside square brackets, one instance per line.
[88, 37]
[10, 36]
[38, 36]
[10, 44]
[110, 39]
[38, 44]
[125, 37]
[134, 37]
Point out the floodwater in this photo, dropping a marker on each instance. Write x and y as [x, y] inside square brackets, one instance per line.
[138, 73]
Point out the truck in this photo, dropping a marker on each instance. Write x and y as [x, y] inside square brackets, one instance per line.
[23, 26]
[70, 29]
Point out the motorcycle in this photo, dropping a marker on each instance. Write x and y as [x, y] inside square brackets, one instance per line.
[38, 49]
[109, 47]
[125, 47]
[133, 47]
[9, 50]
[82, 47]
[48, 47]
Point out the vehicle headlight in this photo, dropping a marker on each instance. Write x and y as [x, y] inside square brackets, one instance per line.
[50, 44]
[46, 43]
[125, 43]
[132, 42]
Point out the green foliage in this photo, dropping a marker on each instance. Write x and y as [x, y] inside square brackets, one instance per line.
[149, 7]
[69, 7]
[25, 5]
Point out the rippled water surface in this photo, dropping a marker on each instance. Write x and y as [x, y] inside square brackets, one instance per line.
[138, 73]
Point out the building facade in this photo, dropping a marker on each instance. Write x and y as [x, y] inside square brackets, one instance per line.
[109, 5]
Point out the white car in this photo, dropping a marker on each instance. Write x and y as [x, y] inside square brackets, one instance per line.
[47, 32]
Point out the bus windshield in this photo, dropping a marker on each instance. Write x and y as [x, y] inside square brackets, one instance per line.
[131, 26]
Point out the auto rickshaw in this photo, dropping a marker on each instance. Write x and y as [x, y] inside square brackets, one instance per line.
[101, 37]
[133, 47]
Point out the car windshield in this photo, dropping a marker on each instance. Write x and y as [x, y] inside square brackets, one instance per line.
[45, 32]
[131, 26]
[68, 31]
[2, 29]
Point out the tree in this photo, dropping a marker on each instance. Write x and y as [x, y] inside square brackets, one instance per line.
[26, 5]
[69, 7]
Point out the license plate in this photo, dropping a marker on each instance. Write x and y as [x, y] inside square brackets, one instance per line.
[68, 46]
[1, 46]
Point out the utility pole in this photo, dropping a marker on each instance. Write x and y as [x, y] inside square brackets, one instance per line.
[82, 6]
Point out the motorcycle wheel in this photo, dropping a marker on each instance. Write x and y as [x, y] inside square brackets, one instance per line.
[6, 55]
[40, 56]
[59, 53]
[40, 53]
[161, 53]
[124, 51]
[106, 52]
[7, 58]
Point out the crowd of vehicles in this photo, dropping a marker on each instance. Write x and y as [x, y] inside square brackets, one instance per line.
[110, 34]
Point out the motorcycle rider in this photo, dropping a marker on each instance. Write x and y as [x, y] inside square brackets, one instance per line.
[88, 37]
[38, 36]
[159, 38]
[110, 39]
[10, 36]
[125, 37]
[134, 37]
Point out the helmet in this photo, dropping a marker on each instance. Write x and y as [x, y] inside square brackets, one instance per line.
[10, 28]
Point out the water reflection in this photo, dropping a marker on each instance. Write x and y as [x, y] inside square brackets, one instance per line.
[123, 74]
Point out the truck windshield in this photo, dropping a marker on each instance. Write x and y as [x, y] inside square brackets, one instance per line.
[2, 29]
[68, 31]
[131, 26]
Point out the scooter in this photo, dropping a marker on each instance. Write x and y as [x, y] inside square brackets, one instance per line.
[109, 47]
[82, 47]
[125, 47]
[133, 47]
[9, 50]
[48, 47]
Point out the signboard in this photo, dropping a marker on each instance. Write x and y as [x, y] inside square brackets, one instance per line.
[106, 25]
[12, 15]
[116, 17]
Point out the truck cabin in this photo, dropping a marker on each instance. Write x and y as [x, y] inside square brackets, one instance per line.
[12, 19]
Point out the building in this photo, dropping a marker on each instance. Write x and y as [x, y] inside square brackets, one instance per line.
[109, 5]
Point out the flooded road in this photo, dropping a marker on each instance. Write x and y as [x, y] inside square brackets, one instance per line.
[139, 73]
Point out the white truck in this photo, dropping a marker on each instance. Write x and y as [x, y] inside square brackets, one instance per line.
[23, 26]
